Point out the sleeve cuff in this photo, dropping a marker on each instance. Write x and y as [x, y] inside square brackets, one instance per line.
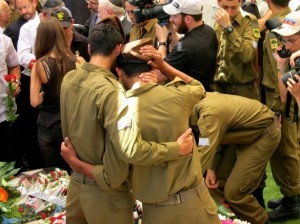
[101, 178]
[173, 151]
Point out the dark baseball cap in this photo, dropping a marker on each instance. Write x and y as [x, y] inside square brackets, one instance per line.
[52, 3]
[64, 16]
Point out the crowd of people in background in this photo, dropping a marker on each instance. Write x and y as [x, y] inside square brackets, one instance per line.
[173, 114]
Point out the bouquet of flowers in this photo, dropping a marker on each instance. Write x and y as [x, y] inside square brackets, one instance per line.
[43, 194]
[10, 112]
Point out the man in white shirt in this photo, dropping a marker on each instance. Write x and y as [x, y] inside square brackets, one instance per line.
[9, 64]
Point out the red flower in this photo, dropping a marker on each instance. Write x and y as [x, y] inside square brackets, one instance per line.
[30, 65]
[20, 209]
[10, 78]
[43, 215]
[52, 219]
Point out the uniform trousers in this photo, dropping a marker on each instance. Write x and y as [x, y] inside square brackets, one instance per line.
[285, 162]
[200, 209]
[88, 204]
[240, 176]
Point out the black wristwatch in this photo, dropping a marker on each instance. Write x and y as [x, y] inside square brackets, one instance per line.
[161, 43]
[228, 29]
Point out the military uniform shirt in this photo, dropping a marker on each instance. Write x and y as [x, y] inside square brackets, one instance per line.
[270, 78]
[213, 110]
[237, 50]
[162, 113]
[94, 114]
[148, 31]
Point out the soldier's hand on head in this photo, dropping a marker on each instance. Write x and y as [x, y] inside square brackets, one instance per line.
[186, 143]
[157, 62]
[149, 77]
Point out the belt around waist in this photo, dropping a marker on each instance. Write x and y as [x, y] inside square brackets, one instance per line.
[83, 179]
[182, 196]
[234, 84]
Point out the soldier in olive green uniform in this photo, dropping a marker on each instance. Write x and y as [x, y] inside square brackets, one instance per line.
[238, 34]
[172, 191]
[95, 116]
[253, 128]
[285, 162]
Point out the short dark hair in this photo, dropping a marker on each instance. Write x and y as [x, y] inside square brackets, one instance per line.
[133, 69]
[197, 18]
[282, 3]
[104, 39]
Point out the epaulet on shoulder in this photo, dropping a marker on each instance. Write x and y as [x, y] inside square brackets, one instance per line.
[247, 14]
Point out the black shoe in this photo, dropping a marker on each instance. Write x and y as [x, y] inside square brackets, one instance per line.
[288, 209]
[274, 203]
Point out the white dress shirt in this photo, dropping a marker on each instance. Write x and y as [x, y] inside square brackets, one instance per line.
[8, 58]
[26, 43]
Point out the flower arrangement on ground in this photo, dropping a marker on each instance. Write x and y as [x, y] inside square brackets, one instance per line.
[9, 196]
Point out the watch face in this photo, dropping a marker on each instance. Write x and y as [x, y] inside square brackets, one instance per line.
[229, 29]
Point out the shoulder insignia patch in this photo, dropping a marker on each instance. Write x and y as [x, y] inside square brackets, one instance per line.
[273, 43]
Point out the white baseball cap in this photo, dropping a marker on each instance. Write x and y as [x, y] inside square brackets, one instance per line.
[189, 7]
[290, 25]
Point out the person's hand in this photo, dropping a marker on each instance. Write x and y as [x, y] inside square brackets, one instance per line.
[149, 77]
[282, 63]
[157, 62]
[293, 86]
[17, 89]
[210, 179]
[222, 18]
[68, 153]
[162, 33]
[186, 143]
[293, 57]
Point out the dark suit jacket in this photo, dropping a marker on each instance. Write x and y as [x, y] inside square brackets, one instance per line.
[88, 26]
[80, 11]
[13, 30]
[80, 43]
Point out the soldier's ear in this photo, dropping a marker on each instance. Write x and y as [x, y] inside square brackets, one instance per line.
[89, 49]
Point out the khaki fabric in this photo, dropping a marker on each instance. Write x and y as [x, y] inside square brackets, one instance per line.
[237, 51]
[148, 31]
[252, 127]
[94, 114]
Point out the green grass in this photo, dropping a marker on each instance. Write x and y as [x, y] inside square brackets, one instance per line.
[272, 191]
